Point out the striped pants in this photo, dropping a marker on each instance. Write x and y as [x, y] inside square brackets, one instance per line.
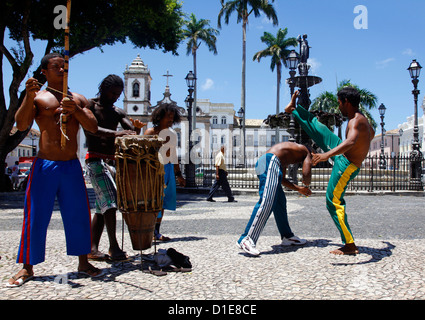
[343, 171]
[272, 198]
[48, 180]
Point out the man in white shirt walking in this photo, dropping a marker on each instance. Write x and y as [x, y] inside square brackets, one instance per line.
[221, 178]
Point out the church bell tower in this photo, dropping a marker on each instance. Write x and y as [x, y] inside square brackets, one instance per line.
[137, 86]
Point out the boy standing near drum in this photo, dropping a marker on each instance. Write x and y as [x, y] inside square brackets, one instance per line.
[163, 118]
[56, 172]
[100, 162]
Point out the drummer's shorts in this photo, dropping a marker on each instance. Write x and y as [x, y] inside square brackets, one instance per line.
[47, 181]
[102, 179]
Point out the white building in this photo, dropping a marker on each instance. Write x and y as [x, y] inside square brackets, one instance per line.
[391, 143]
[137, 86]
[27, 148]
[406, 138]
[216, 123]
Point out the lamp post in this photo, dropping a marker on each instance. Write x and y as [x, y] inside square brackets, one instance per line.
[292, 61]
[241, 114]
[33, 136]
[416, 154]
[190, 167]
[382, 162]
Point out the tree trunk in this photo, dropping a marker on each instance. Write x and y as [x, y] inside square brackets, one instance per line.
[243, 86]
[278, 72]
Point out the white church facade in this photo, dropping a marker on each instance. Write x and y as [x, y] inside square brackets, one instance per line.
[216, 123]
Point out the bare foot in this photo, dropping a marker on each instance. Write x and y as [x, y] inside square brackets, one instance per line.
[348, 249]
[291, 105]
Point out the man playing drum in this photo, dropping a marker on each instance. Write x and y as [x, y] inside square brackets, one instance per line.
[100, 162]
[56, 172]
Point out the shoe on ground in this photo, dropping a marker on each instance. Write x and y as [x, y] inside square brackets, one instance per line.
[293, 241]
[248, 246]
[231, 200]
[210, 200]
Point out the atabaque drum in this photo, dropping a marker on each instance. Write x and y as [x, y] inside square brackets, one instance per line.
[140, 185]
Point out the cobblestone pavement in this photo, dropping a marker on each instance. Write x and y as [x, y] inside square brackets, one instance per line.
[389, 231]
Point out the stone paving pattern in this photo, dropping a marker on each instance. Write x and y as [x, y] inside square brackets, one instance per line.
[389, 231]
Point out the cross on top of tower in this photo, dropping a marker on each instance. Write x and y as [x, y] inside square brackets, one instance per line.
[167, 75]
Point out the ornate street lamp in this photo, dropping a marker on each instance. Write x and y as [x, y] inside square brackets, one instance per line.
[190, 167]
[292, 60]
[382, 162]
[414, 69]
[33, 137]
[190, 81]
[416, 154]
[241, 116]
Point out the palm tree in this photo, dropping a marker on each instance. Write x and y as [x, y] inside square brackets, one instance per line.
[241, 7]
[277, 49]
[197, 31]
[328, 101]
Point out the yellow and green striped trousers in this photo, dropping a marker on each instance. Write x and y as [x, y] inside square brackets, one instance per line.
[343, 170]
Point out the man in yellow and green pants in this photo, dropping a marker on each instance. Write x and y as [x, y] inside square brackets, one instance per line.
[347, 155]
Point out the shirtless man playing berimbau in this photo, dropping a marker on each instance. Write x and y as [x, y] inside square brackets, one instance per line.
[347, 155]
[55, 172]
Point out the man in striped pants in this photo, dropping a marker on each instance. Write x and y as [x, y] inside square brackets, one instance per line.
[347, 155]
[271, 169]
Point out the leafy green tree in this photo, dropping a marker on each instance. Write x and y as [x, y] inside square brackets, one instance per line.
[328, 101]
[196, 32]
[278, 49]
[243, 9]
[155, 24]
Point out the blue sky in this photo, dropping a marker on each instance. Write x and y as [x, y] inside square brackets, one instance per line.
[375, 58]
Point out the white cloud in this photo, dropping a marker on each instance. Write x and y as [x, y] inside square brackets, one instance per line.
[266, 20]
[208, 84]
[408, 52]
[315, 65]
[384, 63]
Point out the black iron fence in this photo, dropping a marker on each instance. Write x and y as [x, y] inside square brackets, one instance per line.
[394, 176]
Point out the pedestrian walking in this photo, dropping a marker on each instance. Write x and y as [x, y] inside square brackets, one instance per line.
[221, 178]
[15, 175]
